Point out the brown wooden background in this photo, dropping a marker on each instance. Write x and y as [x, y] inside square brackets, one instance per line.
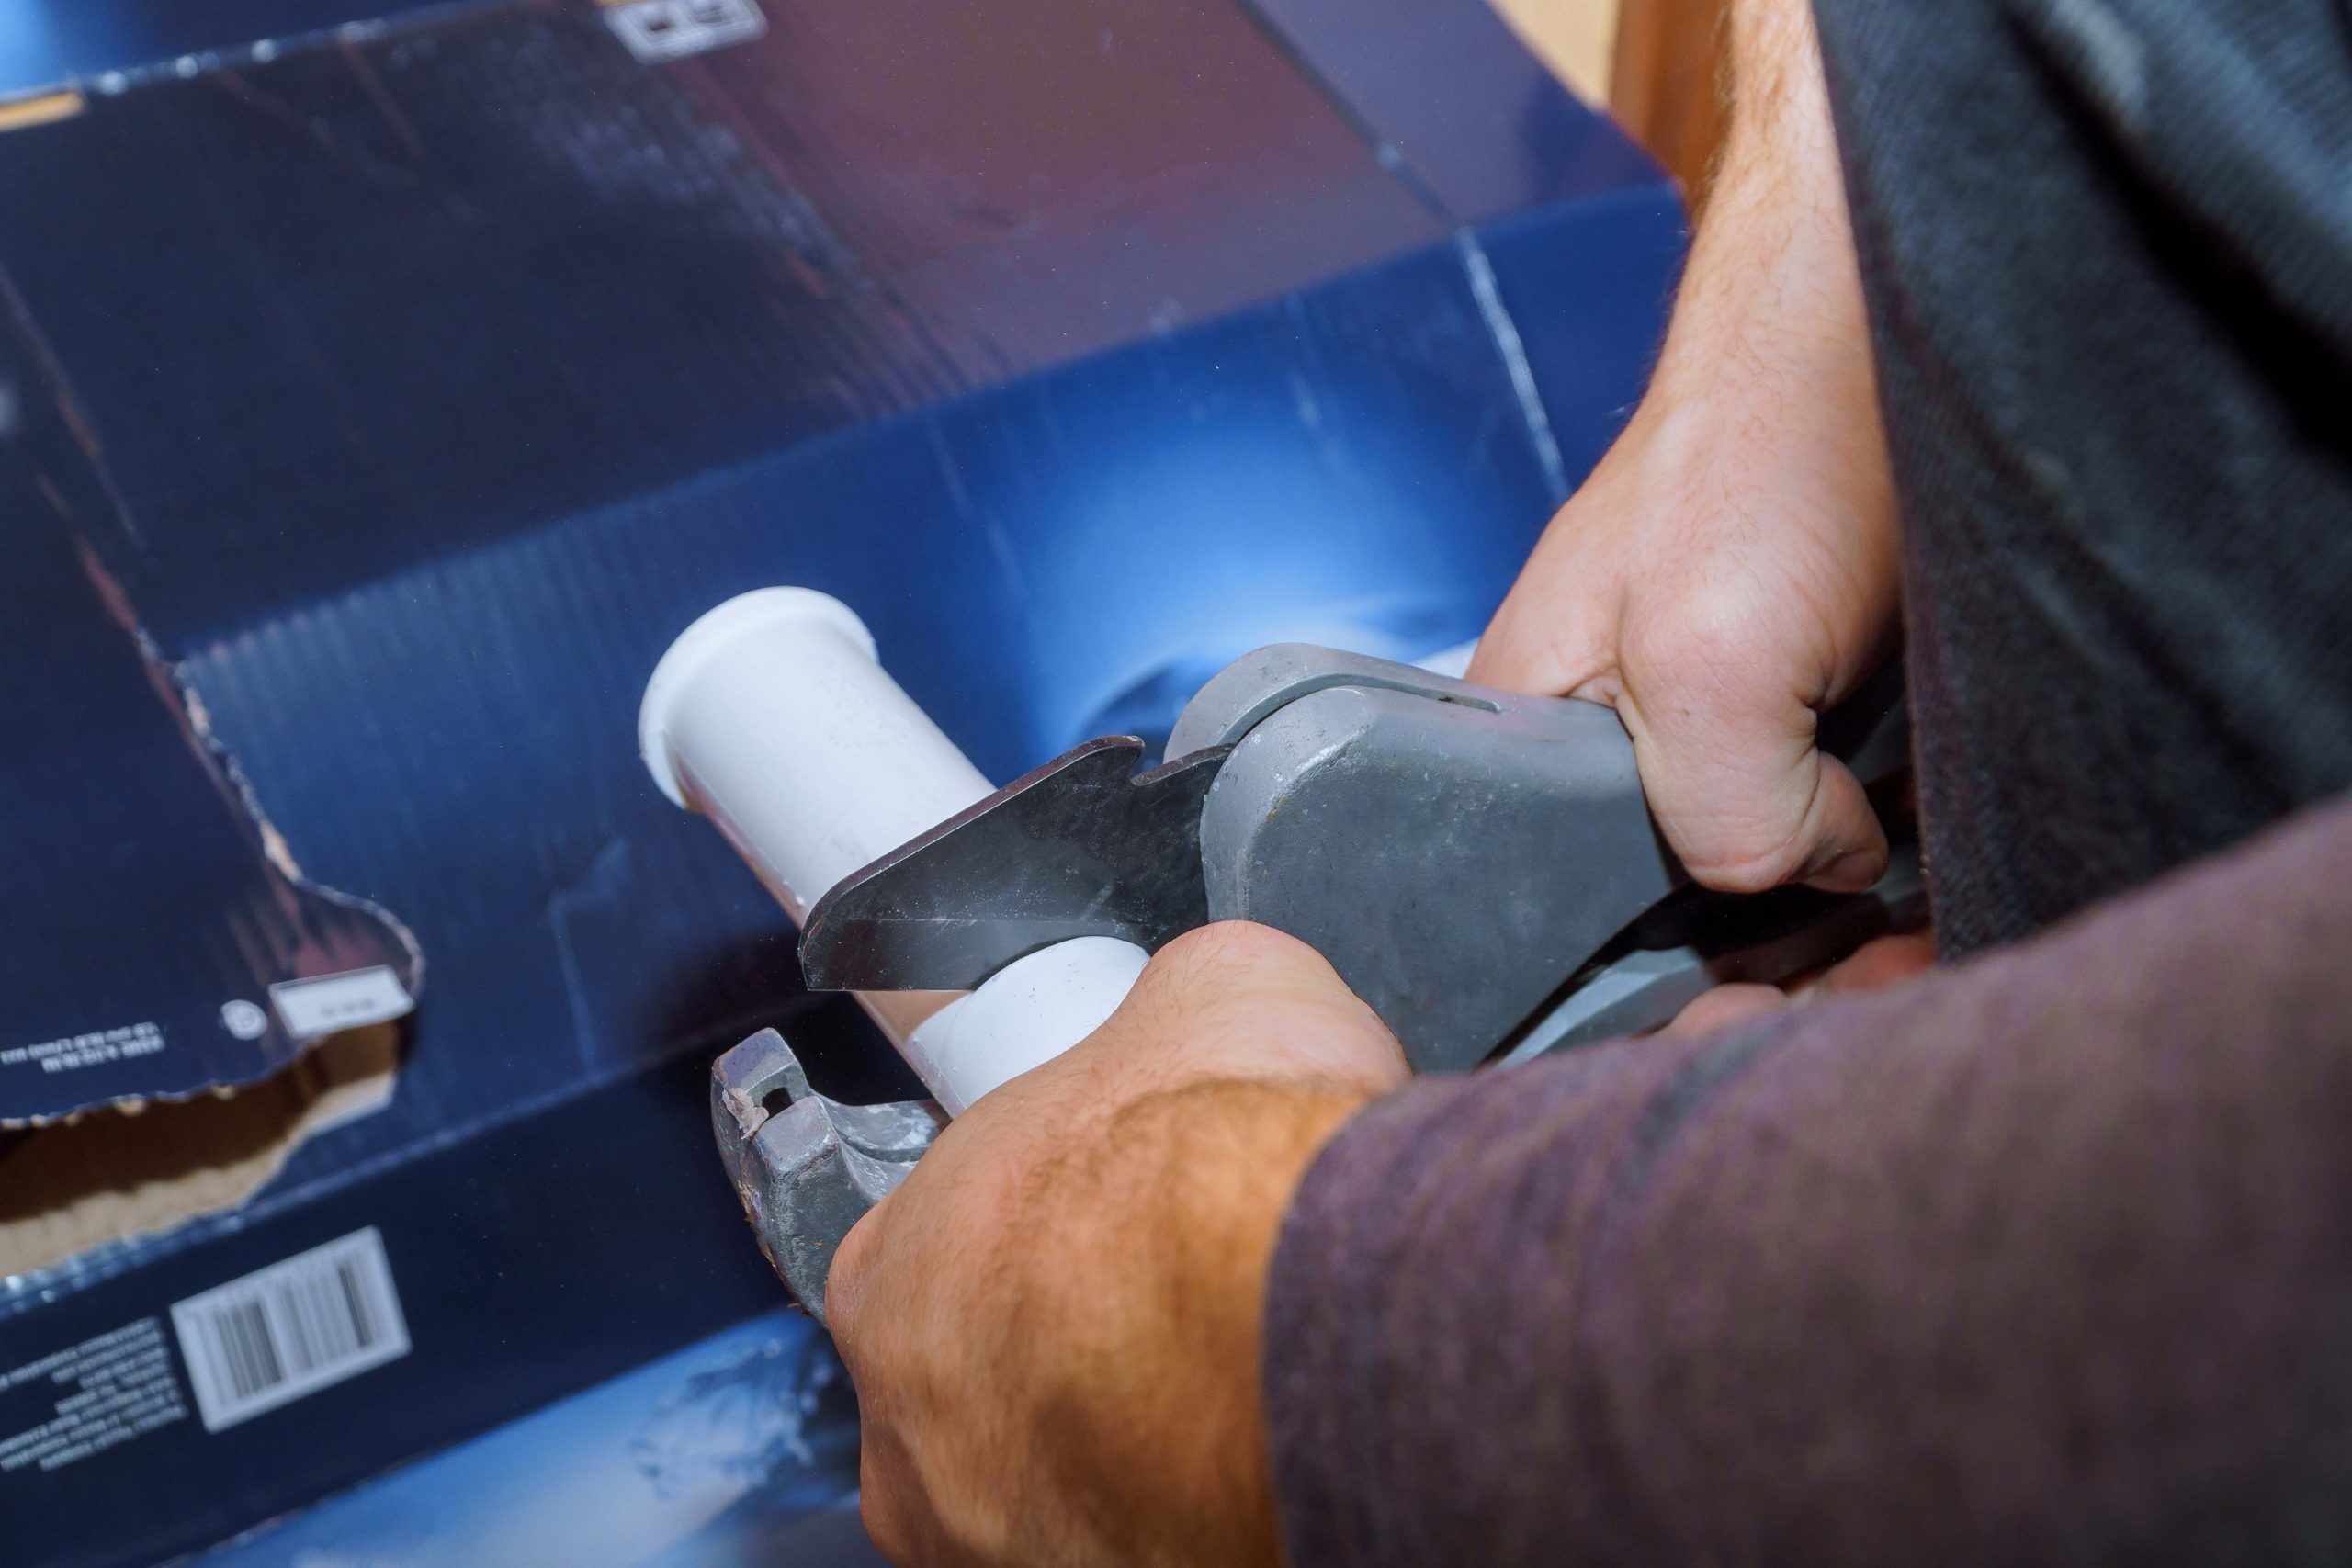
[1654, 62]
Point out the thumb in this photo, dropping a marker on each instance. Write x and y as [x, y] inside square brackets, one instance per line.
[1554, 629]
[1238, 999]
[1742, 794]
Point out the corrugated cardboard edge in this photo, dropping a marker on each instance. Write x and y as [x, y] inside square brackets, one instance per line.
[130, 1170]
[181, 700]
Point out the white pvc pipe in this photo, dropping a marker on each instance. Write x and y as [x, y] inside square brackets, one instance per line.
[1024, 1015]
[770, 716]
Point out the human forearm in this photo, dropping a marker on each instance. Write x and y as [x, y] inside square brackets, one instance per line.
[1173, 1251]
[1771, 301]
[2029, 1259]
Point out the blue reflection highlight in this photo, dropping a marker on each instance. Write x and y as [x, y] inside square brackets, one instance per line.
[1350, 470]
[49, 43]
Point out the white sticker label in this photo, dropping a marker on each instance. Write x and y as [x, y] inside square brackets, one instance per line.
[321, 1006]
[670, 30]
[290, 1329]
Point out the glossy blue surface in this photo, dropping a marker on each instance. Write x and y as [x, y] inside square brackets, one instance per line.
[403, 398]
[48, 43]
[737, 1452]
[488, 358]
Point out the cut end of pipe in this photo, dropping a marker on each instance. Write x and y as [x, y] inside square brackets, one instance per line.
[759, 610]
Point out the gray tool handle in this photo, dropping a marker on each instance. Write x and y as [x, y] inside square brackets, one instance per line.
[1651, 975]
[1457, 853]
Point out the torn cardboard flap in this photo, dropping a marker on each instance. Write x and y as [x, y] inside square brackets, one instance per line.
[151, 945]
[178, 1009]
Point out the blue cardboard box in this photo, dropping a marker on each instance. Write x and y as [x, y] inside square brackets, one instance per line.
[375, 405]
[739, 1451]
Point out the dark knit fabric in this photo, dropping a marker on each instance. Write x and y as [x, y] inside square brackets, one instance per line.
[2108, 250]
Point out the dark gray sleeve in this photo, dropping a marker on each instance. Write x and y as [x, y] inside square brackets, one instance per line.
[2048, 1255]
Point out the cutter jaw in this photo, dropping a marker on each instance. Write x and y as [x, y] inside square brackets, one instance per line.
[809, 1169]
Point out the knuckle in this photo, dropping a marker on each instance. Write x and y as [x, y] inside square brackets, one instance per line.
[1715, 684]
[1711, 642]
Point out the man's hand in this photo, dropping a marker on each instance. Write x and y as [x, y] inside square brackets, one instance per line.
[1053, 1325]
[1874, 966]
[1731, 567]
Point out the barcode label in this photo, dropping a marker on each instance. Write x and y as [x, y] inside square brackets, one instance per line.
[290, 1329]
